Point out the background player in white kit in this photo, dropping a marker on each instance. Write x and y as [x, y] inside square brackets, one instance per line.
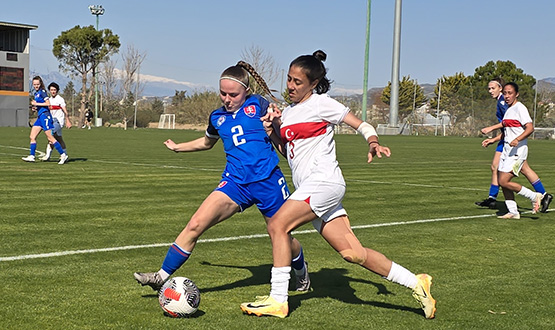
[517, 127]
[59, 117]
[306, 131]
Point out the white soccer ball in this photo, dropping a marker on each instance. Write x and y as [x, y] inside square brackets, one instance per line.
[179, 297]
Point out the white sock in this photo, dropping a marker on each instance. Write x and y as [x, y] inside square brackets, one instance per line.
[527, 193]
[280, 283]
[163, 274]
[48, 150]
[400, 275]
[511, 206]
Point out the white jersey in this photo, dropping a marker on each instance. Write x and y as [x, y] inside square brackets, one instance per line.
[513, 123]
[56, 104]
[307, 131]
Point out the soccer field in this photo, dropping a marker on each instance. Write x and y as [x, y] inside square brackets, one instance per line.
[72, 235]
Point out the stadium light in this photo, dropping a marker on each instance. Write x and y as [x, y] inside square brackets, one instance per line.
[96, 10]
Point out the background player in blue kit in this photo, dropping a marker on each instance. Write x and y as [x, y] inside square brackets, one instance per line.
[495, 88]
[251, 175]
[44, 122]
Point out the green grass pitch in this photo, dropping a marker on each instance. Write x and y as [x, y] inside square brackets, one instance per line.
[123, 196]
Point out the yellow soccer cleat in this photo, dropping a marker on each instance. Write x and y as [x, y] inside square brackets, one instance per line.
[422, 294]
[266, 305]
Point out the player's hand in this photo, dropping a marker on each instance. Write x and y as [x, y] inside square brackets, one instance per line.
[170, 145]
[514, 143]
[378, 150]
[486, 143]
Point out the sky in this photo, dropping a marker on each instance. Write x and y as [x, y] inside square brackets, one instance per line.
[194, 41]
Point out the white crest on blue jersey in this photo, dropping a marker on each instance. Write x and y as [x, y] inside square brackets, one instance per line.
[221, 120]
[502, 102]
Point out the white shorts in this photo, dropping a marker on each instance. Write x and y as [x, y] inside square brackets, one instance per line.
[57, 129]
[512, 159]
[324, 199]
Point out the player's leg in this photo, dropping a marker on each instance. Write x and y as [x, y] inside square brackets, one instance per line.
[35, 130]
[494, 186]
[534, 179]
[216, 208]
[270, 194]
[339, 235]
[291, 215]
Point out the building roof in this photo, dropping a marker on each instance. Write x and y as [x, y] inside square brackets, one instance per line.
[17, 25]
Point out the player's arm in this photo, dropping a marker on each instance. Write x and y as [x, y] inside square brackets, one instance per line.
[272, 123]
[68, 122]
[369, 134]
[487, 142]
[491, 128]
[200, 144]
[528, 130]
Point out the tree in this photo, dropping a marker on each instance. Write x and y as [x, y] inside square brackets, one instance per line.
[132, 60]
[263, 63]
[80, 50]
[509, 72]
[69, 95]
[455, 96]
[411, 96]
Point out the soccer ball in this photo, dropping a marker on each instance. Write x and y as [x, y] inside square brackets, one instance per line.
[179, 297]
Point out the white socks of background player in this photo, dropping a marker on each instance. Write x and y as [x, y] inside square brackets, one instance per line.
[48, 150]
[280, 283]
[400, 275]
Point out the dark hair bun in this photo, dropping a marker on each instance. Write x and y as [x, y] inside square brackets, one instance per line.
[320, 55]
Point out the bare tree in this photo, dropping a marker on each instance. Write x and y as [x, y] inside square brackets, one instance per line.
[132, 60]
[263, 63]
[110, 77]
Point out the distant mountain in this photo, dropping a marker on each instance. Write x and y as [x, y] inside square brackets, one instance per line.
[153, 86]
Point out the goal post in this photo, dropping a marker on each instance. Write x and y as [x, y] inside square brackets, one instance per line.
[167, 121]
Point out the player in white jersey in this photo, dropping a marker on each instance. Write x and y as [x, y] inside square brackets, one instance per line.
[59, 117]
[517, 127]
[306, 135]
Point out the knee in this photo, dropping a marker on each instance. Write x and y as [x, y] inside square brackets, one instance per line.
[357, 256]
[494, 168]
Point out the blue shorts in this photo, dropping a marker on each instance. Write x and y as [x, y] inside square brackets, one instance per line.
[500, 146]
[44, 121]
[268, 194]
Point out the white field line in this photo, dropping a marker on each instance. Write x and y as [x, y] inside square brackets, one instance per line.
[231, 238]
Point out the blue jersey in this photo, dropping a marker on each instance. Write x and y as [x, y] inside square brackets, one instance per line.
[249, 152]
[502, 107]
[40, 96]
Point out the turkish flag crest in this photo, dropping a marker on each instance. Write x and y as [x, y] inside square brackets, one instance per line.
[250, 111]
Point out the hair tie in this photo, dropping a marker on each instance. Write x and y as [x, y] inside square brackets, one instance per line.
[236, 80]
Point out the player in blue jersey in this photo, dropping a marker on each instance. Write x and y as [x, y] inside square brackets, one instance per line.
[251, 175]
[495, 88]
[44, 122]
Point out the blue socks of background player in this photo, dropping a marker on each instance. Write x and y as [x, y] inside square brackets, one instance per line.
[298, 263]
[493, 191]
[538, 186]
[175, 258]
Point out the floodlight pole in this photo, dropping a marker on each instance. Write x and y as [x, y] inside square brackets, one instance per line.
[394, 100]
[367, 50]
[96, 10]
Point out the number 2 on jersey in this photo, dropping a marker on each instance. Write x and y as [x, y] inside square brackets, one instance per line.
[237, 132]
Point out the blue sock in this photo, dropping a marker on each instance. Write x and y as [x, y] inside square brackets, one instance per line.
[175, 258]
[538, 186]
[58, 147]
[298, 262]
[33, 148]
[493, 191]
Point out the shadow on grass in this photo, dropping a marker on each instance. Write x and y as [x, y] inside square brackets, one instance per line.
[329, 283]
